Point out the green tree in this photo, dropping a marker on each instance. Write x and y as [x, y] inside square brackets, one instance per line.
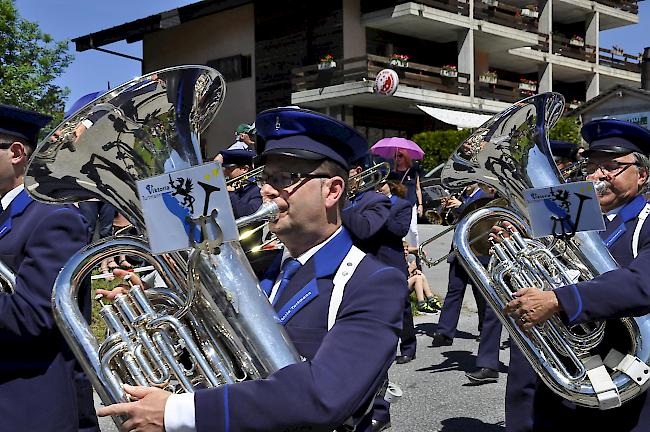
[566, 129]
[439, 145]
[30, 61]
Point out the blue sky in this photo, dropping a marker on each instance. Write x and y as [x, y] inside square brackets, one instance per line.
[92, 70]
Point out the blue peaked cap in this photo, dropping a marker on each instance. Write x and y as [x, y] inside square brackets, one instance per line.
[306, 134]
[563, 149]
[22, 123]
[238, 157]
[615, 136]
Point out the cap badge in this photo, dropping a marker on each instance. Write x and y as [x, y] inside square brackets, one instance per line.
[277, 122]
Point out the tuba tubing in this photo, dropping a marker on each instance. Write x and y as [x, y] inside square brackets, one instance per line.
[511, 153]
[259, 341]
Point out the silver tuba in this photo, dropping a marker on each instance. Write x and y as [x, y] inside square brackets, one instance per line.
[7, 279]
[511, 153]
[211, 324]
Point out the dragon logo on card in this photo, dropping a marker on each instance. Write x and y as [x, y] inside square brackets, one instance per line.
[183, 191]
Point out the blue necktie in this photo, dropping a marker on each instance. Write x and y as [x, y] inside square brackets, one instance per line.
[289, 267]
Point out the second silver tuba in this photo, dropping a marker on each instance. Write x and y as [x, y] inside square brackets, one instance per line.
[211, 324]
[511, 153]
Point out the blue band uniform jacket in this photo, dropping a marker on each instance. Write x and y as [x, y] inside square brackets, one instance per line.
[343, 368]
[530, 405]
[37, 391]
[378, 224]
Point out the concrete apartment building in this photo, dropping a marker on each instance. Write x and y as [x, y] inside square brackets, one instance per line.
[464, 56]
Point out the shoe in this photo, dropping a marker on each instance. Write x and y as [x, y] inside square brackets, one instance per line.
[440, 340]
[434, 304]
[379, 425]
[483, 376]
[404, 359]
[425, 308]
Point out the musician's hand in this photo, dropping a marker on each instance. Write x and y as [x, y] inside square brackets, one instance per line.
[420, 210]
[500, 231]
[452, 202]
[123, 288]
[532, 306]
[147, 414]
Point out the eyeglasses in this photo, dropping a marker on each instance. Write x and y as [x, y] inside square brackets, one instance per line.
[282, 180]
[609, 166]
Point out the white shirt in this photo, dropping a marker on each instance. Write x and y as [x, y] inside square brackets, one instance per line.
[179, 408]
[9, 196]
[610, 215]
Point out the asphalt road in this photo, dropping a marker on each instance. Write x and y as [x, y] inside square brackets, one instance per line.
[437, 395]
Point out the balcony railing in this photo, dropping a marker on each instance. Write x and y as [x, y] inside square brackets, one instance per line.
[499, 12]
[367, 67]
[620, 60]
[502, 90]
[624, 5]
[573, 48]
[460, 7]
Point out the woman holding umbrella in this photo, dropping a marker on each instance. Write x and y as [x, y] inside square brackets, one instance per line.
[404, 151]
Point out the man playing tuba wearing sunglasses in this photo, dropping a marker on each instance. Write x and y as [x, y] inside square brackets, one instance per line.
[618, 164]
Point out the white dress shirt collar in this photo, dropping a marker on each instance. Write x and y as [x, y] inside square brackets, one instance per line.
[9, 196]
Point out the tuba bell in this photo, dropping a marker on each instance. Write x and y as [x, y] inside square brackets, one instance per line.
[511, 153]
[211, 324]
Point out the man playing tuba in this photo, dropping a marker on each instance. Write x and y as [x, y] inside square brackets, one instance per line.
[341, 308]
[618, 163]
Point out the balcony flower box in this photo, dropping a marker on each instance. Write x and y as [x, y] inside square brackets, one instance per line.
[399, 60]
[449, 71]
[577, 41]
[530, 13]
[493, 3]
[327, 62]
[488, 78]
[528, 85]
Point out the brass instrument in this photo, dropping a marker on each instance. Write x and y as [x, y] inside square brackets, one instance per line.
[368, 179]
[511, 153]
[212, 324]
[7, 279]
[244, 179]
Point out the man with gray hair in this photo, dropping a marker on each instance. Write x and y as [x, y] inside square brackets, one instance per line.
[619, 167]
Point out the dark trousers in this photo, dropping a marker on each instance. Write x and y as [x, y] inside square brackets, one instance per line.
[408, 343]
[450, 313]
[99, 216]
[490, 342]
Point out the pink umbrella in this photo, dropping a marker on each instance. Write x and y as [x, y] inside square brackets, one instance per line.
[386, 148]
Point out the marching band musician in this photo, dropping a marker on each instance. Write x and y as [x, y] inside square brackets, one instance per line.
[245, 198]
[487, 359]
[617, 158]
[37, 381]
[378, 224]
[346, 330]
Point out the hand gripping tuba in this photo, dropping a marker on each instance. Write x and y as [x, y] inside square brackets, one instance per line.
[211, 324]
[598, 364]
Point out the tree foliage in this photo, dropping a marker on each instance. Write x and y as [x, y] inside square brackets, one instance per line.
[439, 145]
[30, 61]
[566, 129]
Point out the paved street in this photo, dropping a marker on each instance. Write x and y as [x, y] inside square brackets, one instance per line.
[437, 396]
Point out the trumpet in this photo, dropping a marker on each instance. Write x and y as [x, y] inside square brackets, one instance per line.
[368, 179]
[243, 179]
